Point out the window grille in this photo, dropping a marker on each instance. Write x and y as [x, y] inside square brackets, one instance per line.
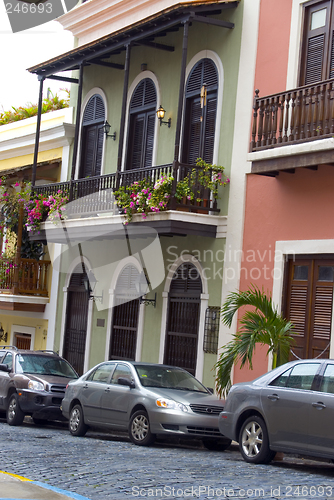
[211, 330]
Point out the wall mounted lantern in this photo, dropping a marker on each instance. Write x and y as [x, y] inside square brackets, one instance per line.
[90, 282]
[142, 286]
[106, 129]
[161, 115]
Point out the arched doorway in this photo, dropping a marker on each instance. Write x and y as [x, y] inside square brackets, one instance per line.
[142, 110]
[200, 112]
[76, 321]
[124, 328]
[183, 318]
[92, 137]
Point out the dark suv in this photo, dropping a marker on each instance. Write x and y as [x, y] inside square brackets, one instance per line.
[32, 383]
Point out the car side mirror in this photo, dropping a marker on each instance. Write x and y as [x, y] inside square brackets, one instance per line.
[210, 389]
[126, 381]
[4, 368]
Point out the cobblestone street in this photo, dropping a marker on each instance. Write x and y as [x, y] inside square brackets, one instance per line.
[101, 466]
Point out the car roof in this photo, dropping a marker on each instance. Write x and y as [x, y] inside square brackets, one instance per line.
[15, 350]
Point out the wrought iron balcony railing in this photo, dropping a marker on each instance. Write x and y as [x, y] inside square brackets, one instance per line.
[294, 116]
[103, 186]
[24, 276]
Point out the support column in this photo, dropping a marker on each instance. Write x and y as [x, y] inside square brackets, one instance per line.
[38, 129]
[77, 129]
[172, 204]
[181, 91]
[123, 112]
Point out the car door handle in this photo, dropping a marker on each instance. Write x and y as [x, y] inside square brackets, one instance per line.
[85, 386]
[107, 389]
[273, 397]
[319, 405]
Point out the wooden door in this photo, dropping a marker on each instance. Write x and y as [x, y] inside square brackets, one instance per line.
[309, 305]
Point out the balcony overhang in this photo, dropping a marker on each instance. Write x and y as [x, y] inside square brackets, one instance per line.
[24, 303]
[142, 32]
[287, 158]
[109, 227]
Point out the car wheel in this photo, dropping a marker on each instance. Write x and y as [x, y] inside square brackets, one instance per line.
[76, 424]
[139, 429]
[40, 421]
[15, 415]
[254, 441]
[216, 444]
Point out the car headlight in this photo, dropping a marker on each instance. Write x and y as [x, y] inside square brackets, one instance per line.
[35, 386]
[169, 403]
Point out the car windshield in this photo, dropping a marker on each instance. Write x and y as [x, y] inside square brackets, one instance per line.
[168, 378]
[44, 365]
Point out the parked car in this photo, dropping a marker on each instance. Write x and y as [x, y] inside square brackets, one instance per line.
[289, 409]
[146, 399]
[32, 383]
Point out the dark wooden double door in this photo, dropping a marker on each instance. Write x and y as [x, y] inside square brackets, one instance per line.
[309, 305]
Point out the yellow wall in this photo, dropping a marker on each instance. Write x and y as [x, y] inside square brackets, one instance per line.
[41, 326]
[21, 161]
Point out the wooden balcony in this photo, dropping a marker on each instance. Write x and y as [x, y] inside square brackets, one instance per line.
[293, 118]
[25, 277]
[102, 186]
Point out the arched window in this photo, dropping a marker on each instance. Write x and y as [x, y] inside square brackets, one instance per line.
[76, 321]
[125, 316]
[183, 318]
[200, 112]
[92, 137]
[143, 107]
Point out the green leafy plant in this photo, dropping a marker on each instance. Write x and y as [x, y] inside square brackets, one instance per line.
[260, 325]
[21, 113]
[206, 176]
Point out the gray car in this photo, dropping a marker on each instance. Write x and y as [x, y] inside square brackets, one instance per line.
[32, 383]
[148, 400]
[289, 409]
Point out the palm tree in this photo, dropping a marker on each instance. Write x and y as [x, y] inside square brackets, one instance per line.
[264, 325]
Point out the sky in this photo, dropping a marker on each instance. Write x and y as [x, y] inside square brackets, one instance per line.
[19, 51]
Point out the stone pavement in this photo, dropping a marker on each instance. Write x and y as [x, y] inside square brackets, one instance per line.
[106, 466]
[20, 488]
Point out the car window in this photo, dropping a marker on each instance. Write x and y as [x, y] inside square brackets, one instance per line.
[282, 379]
[8, 360]
[2, 355]
[121, 371]
[327, 382]
[44, 365]
[102, 373]
[168, 378]
[302, 376]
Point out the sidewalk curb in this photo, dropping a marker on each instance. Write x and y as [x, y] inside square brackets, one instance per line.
[74, 496]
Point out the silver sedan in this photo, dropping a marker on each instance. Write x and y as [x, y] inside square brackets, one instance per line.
[289, 409]
[146, 399]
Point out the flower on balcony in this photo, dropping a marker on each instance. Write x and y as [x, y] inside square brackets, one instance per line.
[15, 197]
[144, 197]
[43, 207]
[205, 177]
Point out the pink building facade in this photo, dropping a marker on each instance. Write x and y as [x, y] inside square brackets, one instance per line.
[287, 230]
